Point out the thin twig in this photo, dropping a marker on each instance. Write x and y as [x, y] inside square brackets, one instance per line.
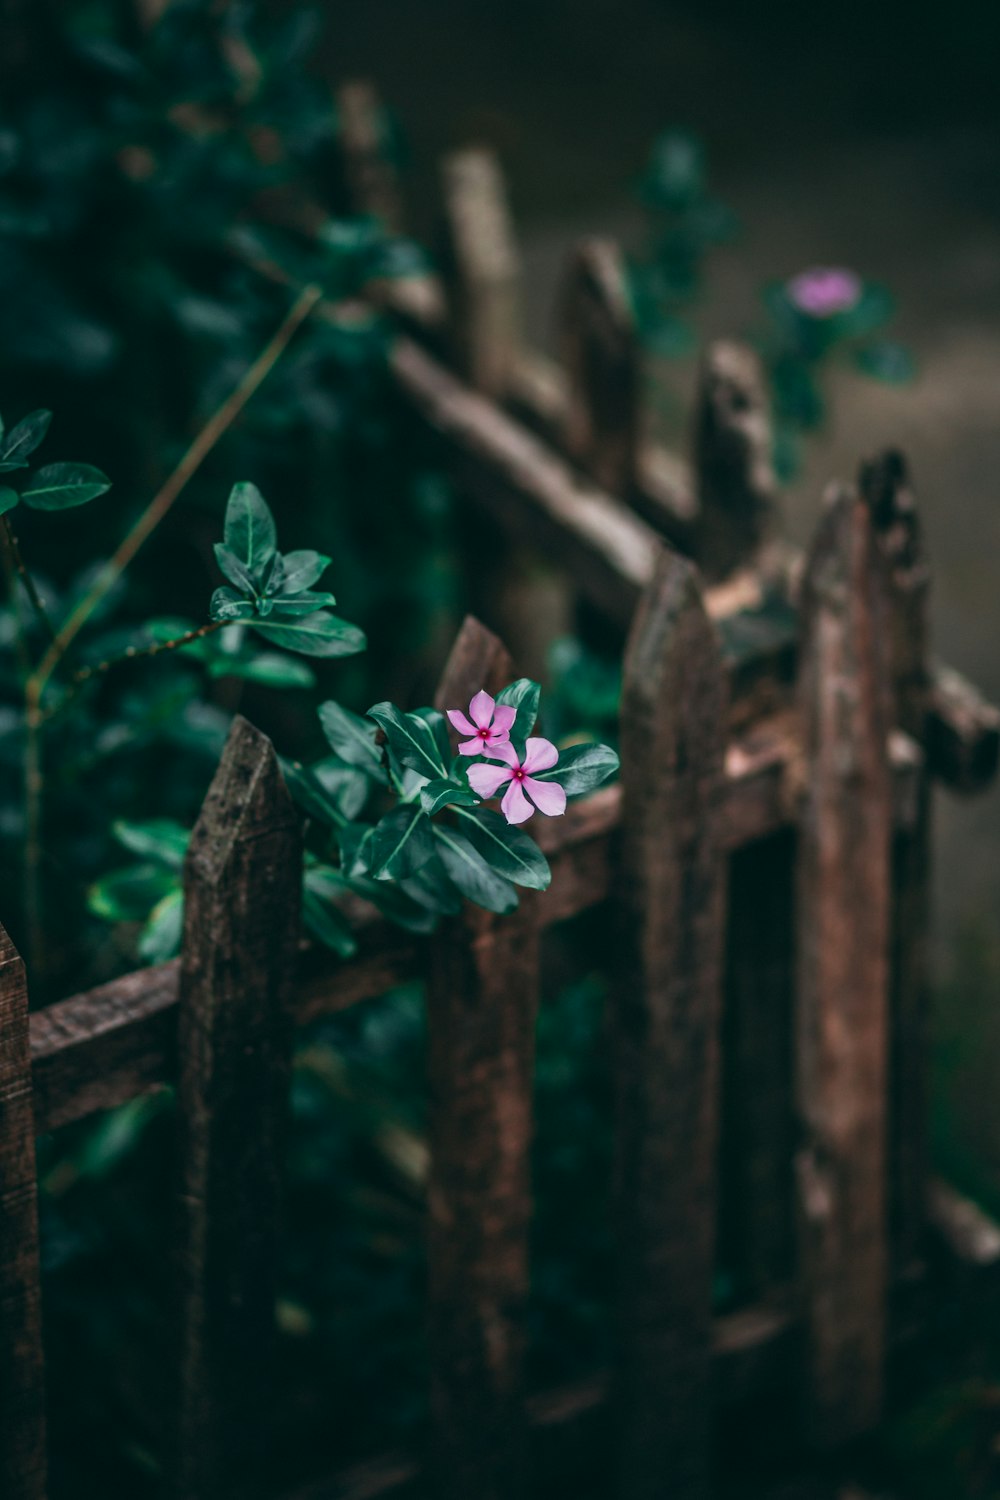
[34, 688]
[163, 500]
[30, 587]
[136, 653]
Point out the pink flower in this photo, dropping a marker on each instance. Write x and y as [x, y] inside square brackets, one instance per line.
[823, 291]
[490, 726]
[548, 796]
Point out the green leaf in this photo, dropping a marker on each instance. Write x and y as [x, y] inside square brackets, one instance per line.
[508, 850]
[432, 888]
[300, 570]
[320, 634]
[524, 695]
[61, 486]
[160, 839]
[309, 794]
[235, 570]
[227, 604]
[266, 668]
[438, 727]
[352, 738]
[160, 939]
[471, 874]
[443, 793]
[582, 767]
[8, 498]
[249, 530]
[320, 885]
[396, 902]
[23, 439]
[400, 843]
[128, 895]
[347, 785]
[298, 604]
[411, 739]
[886, 361]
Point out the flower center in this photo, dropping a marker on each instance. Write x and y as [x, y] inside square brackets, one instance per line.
[519, 774]
[484, 734]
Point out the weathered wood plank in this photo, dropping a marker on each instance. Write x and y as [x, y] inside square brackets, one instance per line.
[242, 883]
[22, 1368]
[963, 733]
[482, 270]
[370, 179]
[843, 975]
[885, 485]
[671, 885]
[601, 356]
[734, 477]
[482, 999]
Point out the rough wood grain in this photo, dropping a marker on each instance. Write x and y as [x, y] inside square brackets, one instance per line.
[242, 883]
[22, 1369]
[671, 889]
[843, 975]
[885, 485]
[732, 459]
[481, 1004]
[601, 356]
[482, 270]
[963, 734]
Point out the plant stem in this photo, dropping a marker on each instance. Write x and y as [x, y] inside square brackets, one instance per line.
[34, 688]
[136, 653]
[26, 578]
[163, 500]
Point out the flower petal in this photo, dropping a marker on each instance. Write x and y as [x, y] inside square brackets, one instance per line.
[503, 751]
[471, 747]
[481, 709]
[540, 755]
[548, 796]
[515, 806]
[460, 722]
[486, 780]
[504, 715]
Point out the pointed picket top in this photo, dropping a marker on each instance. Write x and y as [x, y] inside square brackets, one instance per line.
[844, 880]
[602, 360]
[478, 659]
[242, 884]
[734, 476]
[482, 268]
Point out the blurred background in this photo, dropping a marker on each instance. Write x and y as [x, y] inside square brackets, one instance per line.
[796, 136]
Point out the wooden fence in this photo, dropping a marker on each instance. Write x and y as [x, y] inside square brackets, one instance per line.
[765, 853]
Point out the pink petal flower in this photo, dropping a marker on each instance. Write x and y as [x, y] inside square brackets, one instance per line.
[539, 755]
[823, 291]
[481, 708]
[504, 751]
[486, 780]
[460, 722]
[548, 796]
[489, 725]
[515, 806]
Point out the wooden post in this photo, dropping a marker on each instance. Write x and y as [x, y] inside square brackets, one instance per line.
[241, 924]
[843, 974]
[481, 1006]
[732, 458]
[370, 180]
[671, 892]
[885, 486]
[602, 360]
[483, 272]
[22, 1370]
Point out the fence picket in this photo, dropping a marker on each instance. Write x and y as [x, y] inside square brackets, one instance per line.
[371, 183]
[483, 271]
[237, 975]
[602, 360]
[482, 1000]
[843, 952]
[672, 896]
[732, 458]
[885, 484]
[22, 1369]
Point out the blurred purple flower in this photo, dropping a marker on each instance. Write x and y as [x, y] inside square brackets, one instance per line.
[823, 291]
